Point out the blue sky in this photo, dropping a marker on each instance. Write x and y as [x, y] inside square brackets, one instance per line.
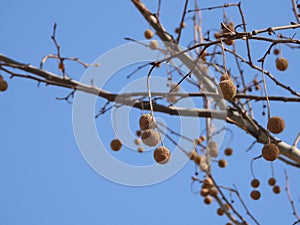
[45, 179]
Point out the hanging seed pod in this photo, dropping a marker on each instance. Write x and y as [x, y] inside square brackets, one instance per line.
[116, 144]
[270, 152]
[154, 44]
[255, 195]
[148, 34]
[228, 151]
[3, 85]
[282, 63]
[222, 163]
[150, 137]
[228, 89]
[276, 124]
[255, 183]
[162, 155]
[272, 181]
[147, 122]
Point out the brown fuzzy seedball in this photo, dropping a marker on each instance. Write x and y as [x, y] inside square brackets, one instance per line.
[217, 35]
[162, 155]
[272, 181]
[276, 124]
[255, 195]
[154, 44]
[276, 51]
[171, 99]
[208, 200]
[3, 85]
[213, 191]
[147, 122]
[116, 144]
[255, 183]
[212, 149]
[229, 42]
[137, 141]
[174, 87]
[195, 157]
[220, 212]
[276, 189]
[140, 149]
[228, 89]
[282, 63]
[222, 163]
[150, 137]
[228, 151]
[204, 192]
[148, 34]
[138, 133]
[208, 182]
[270, 152]
[183, 24]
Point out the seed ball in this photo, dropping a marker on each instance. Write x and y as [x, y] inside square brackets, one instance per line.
[177, 30]
[282, 63]
[154, 44]
[203, 165]
[147, 122]
[183, 24]
[227, 207]
[229, 42]
[213, 152]
[208, 182]
[137, 141]
[228, 89]
[138, 133]
[276, 51]
[217, 35]
[213, 192]
[222, 163]
[204, 192]
[276, 189]
[140, 149]
[208, 200]
[255, 195]
[162, 155]
[220, 211]
[276, 124]
[172, 99]
[270, 152]
[116, 144]
[228, 151]
[272, 181]
[3, 85]
[148, 34]
[150, 137]
[174, 87]
[196, 158]
[255, 183]
[257, 87]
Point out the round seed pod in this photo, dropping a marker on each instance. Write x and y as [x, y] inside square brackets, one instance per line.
[203, 165]
[147, 122]
[213, 191]
[213, 152]
[282, 63]
[138, 133]
[229, 42]
[204, 192]
[208, 182]
[174, 87]
[154, 44]
[177, 30]
[150, 137]
[255, 183]
[162, 155]
[276, 124]
[255, 195]
[140, 149]
[183, 24]
[272, 181]
[148, 34]
[228, 151]
[276, 189]
[276, 51]
[217, 35]
[171, 99]
[228, 89]
[137, 141]
[3, 85]
[116, 144]
[220, 211]
[208, 200]
[270, 152]
[195, 157]
[222, 163]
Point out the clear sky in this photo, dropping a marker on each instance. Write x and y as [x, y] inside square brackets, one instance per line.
[44, 178]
